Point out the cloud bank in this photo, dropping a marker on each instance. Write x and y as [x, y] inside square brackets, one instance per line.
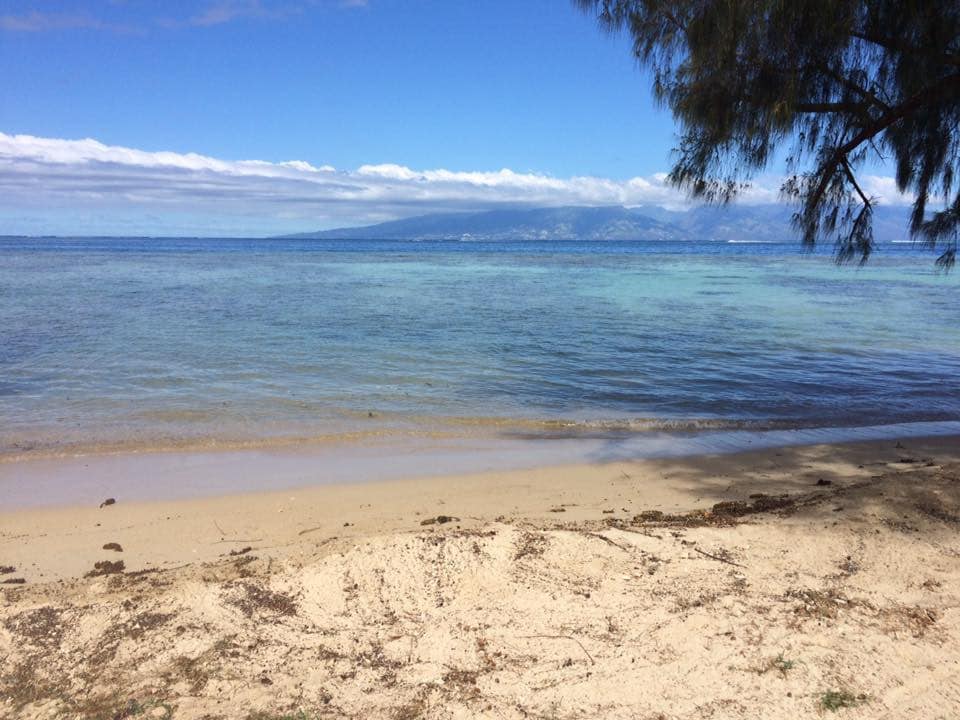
[39, 175]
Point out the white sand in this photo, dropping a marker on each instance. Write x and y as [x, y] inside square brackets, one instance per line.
[345, 605]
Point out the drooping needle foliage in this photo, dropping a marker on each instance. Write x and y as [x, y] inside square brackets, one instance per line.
[840, 84]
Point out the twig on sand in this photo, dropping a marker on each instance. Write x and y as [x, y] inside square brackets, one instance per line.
[607, 540]
[237, 540]
[225, 539]
[310, 530]
[637, 531]
[563, 637]
[718, 558]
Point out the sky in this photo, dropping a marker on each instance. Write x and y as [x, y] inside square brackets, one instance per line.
[259, 117]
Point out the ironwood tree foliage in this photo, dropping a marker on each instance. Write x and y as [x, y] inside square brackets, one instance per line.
[839, 83]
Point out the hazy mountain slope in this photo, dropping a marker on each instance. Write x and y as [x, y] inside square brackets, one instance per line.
[565, 223]
[759, 223]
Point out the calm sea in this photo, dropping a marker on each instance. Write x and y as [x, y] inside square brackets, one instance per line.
[147, 343]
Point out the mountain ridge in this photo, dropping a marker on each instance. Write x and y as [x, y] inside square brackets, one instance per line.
[770, 223]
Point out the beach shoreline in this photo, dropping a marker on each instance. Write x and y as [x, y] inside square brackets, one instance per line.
[174, 473]
[232, 496]
[734, 585]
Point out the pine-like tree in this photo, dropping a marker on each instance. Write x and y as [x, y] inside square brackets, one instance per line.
[836, 82]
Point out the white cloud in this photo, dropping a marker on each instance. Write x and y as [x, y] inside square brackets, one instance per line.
[226, 11]
[205, 14]
[885, 188]
[34, 22]
[87, 175]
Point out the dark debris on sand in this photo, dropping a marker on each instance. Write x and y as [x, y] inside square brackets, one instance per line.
[106, 567]
[258, 599]
[727, 512]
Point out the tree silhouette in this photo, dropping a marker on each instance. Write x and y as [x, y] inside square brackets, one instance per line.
[836, 82]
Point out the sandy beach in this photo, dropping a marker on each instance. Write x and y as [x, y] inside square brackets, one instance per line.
[784, 583]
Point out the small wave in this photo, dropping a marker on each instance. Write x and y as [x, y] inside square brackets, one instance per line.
[384, 429]
[534, 429]
[26, 450]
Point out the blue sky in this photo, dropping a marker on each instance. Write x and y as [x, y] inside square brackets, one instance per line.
[530, 85]
[374, 99]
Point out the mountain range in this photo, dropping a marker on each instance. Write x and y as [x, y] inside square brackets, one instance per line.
[701, 223]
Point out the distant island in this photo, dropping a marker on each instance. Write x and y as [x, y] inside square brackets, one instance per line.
[758, 223]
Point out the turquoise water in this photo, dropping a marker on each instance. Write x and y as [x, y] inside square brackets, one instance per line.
[136, 343]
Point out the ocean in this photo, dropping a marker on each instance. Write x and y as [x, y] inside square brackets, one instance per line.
[116, 344]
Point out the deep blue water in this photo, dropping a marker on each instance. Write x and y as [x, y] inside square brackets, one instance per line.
[153, 342]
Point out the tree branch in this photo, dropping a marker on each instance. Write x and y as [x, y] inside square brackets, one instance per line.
[828, 107]
[850, 85]
[820, 108]
[896, 113]
[853, 181]
[894, 44]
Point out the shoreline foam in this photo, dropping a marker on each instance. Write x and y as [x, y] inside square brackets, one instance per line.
[370, 427]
